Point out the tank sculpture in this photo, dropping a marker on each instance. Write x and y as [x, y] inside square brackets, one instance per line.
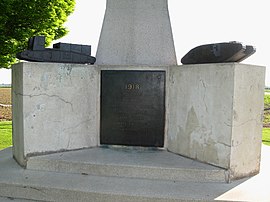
[61, 52]
[218, 53]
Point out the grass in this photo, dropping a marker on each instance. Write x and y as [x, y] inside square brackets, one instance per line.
[266, 120]
[5, 134]
[267, 99]
[266, 136]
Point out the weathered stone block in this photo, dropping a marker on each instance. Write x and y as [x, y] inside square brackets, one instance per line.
[215, 115]
[55, 108]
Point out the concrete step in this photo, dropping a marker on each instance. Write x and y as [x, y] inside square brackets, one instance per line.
[132, 163]
[11, 199]
[18, 183]
[49, 186]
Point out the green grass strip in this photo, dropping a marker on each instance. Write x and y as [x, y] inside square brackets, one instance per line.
[267, 99]
[266, 136]
[5, 134]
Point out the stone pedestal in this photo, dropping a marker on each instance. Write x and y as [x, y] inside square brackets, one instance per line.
[136, 32]
[55, 108]
[213, 111]
[215, 115]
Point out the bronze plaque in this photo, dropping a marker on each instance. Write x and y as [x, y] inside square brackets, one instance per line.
[132, 108]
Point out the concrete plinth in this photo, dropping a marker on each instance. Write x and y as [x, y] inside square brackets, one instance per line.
[55, 108]
[215, 115]
[213, 111]
[136, 32]
[129, 162]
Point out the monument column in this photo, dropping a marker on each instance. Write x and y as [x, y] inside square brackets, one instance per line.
[136, 32]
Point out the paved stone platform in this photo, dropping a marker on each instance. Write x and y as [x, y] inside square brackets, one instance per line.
[134, 162]
[11, 199]
[19, 183]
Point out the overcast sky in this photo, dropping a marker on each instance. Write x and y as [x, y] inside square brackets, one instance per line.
[194, 22]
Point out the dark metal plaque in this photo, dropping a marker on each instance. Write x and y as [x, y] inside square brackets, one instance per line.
[133, 108]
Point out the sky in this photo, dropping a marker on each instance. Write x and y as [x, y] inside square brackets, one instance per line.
[194, 23]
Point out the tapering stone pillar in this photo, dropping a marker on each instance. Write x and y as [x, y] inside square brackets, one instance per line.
[136, 32]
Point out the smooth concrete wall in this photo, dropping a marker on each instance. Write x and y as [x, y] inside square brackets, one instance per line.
[17, 115]
[248, 106]
[136, 32]
[200, 111]
[215, 114]
[55, 108]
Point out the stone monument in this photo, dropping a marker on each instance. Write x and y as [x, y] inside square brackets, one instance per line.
[136, 32]
[136, 95]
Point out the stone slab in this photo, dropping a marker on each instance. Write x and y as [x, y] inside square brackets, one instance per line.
[17, 182]
[11, 199]
[247, 117]
[215, 114]
[55, 108]
[129, 162]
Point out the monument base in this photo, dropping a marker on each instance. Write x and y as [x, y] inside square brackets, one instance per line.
[213, 112]
[215, 115]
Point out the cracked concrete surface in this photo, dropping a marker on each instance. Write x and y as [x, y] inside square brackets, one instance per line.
[46, 95]
[54, 114]
[226, 107]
